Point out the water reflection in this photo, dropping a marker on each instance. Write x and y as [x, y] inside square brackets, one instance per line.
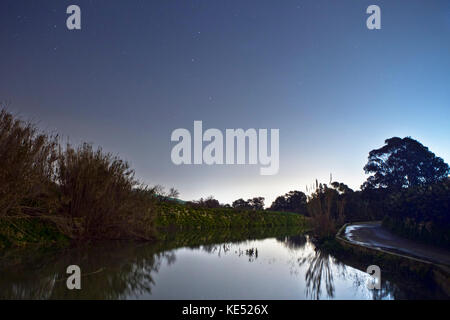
[318, 270]
[108, 272]
[293, 242]
[287, 267]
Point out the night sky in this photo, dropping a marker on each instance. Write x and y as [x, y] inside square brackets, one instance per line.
[139, 69]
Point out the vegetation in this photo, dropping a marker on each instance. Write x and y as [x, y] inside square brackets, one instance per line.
[293, 201]
[82, 194]
[209, 202]
[404, 163]
[20, 232]
[409, 191]
[330, 206]
[174, 215]
[99, 194]
[421, 213]
[27, 161]
[415, 185]
[326, 208]
[50, 193]
[256, 203]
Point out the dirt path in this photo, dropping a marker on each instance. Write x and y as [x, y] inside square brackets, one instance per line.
[375, 236]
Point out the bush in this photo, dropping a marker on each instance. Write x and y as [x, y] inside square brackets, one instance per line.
[26, 165]
[421, 213]
[326, 208]
[100, 192]
[86, 193]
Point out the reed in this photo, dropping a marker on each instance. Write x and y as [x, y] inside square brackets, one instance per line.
[86, 193]
[27, 160]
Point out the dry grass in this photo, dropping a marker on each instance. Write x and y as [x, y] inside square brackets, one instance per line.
[100, 191]
[26, 164]
[89, 194]
[326, 209]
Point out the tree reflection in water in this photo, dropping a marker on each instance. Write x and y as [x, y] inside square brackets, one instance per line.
[226, 248]
[322, 269]
[319, 269]
[114, 275]
[128, 270]
[320, 266]
[293, 242]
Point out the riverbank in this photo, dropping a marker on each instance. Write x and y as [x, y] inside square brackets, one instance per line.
[398, 262]
[19, 232]
[175, 215]
[171, 217]
[375, 235]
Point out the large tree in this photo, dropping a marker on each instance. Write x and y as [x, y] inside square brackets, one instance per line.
[293, 201]
[402, 163]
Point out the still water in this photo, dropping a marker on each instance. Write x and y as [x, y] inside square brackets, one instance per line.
[285, 267]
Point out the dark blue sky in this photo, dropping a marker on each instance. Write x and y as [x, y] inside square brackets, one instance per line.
[140, 69]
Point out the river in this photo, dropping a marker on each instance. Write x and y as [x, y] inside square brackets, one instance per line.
[282, 267]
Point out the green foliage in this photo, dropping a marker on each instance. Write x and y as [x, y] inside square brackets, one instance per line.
[171, 214]
[256, 203]
[403, 163]
[209, 202]
[20, 232]
[421, 213]
[326, 208]
[330, 208]
[293, 201]
[210, 236]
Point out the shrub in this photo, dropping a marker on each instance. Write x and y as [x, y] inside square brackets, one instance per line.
[26, 165]
[99, 192]
[421, 213]
[326, 208]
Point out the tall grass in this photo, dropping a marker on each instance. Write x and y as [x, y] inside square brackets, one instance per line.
[27, 161]
[99, 191]
[88, 193]
[326, 208]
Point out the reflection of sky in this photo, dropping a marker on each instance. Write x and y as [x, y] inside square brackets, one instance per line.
[275, 274]
[139, 69]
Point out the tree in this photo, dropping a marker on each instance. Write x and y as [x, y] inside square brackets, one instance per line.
[293, 201]
[240, 204]
[402, 163]
[256, 203]
[421, 213]
[208, 202]
[280, 204]
[296, 201]
[342, 188]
